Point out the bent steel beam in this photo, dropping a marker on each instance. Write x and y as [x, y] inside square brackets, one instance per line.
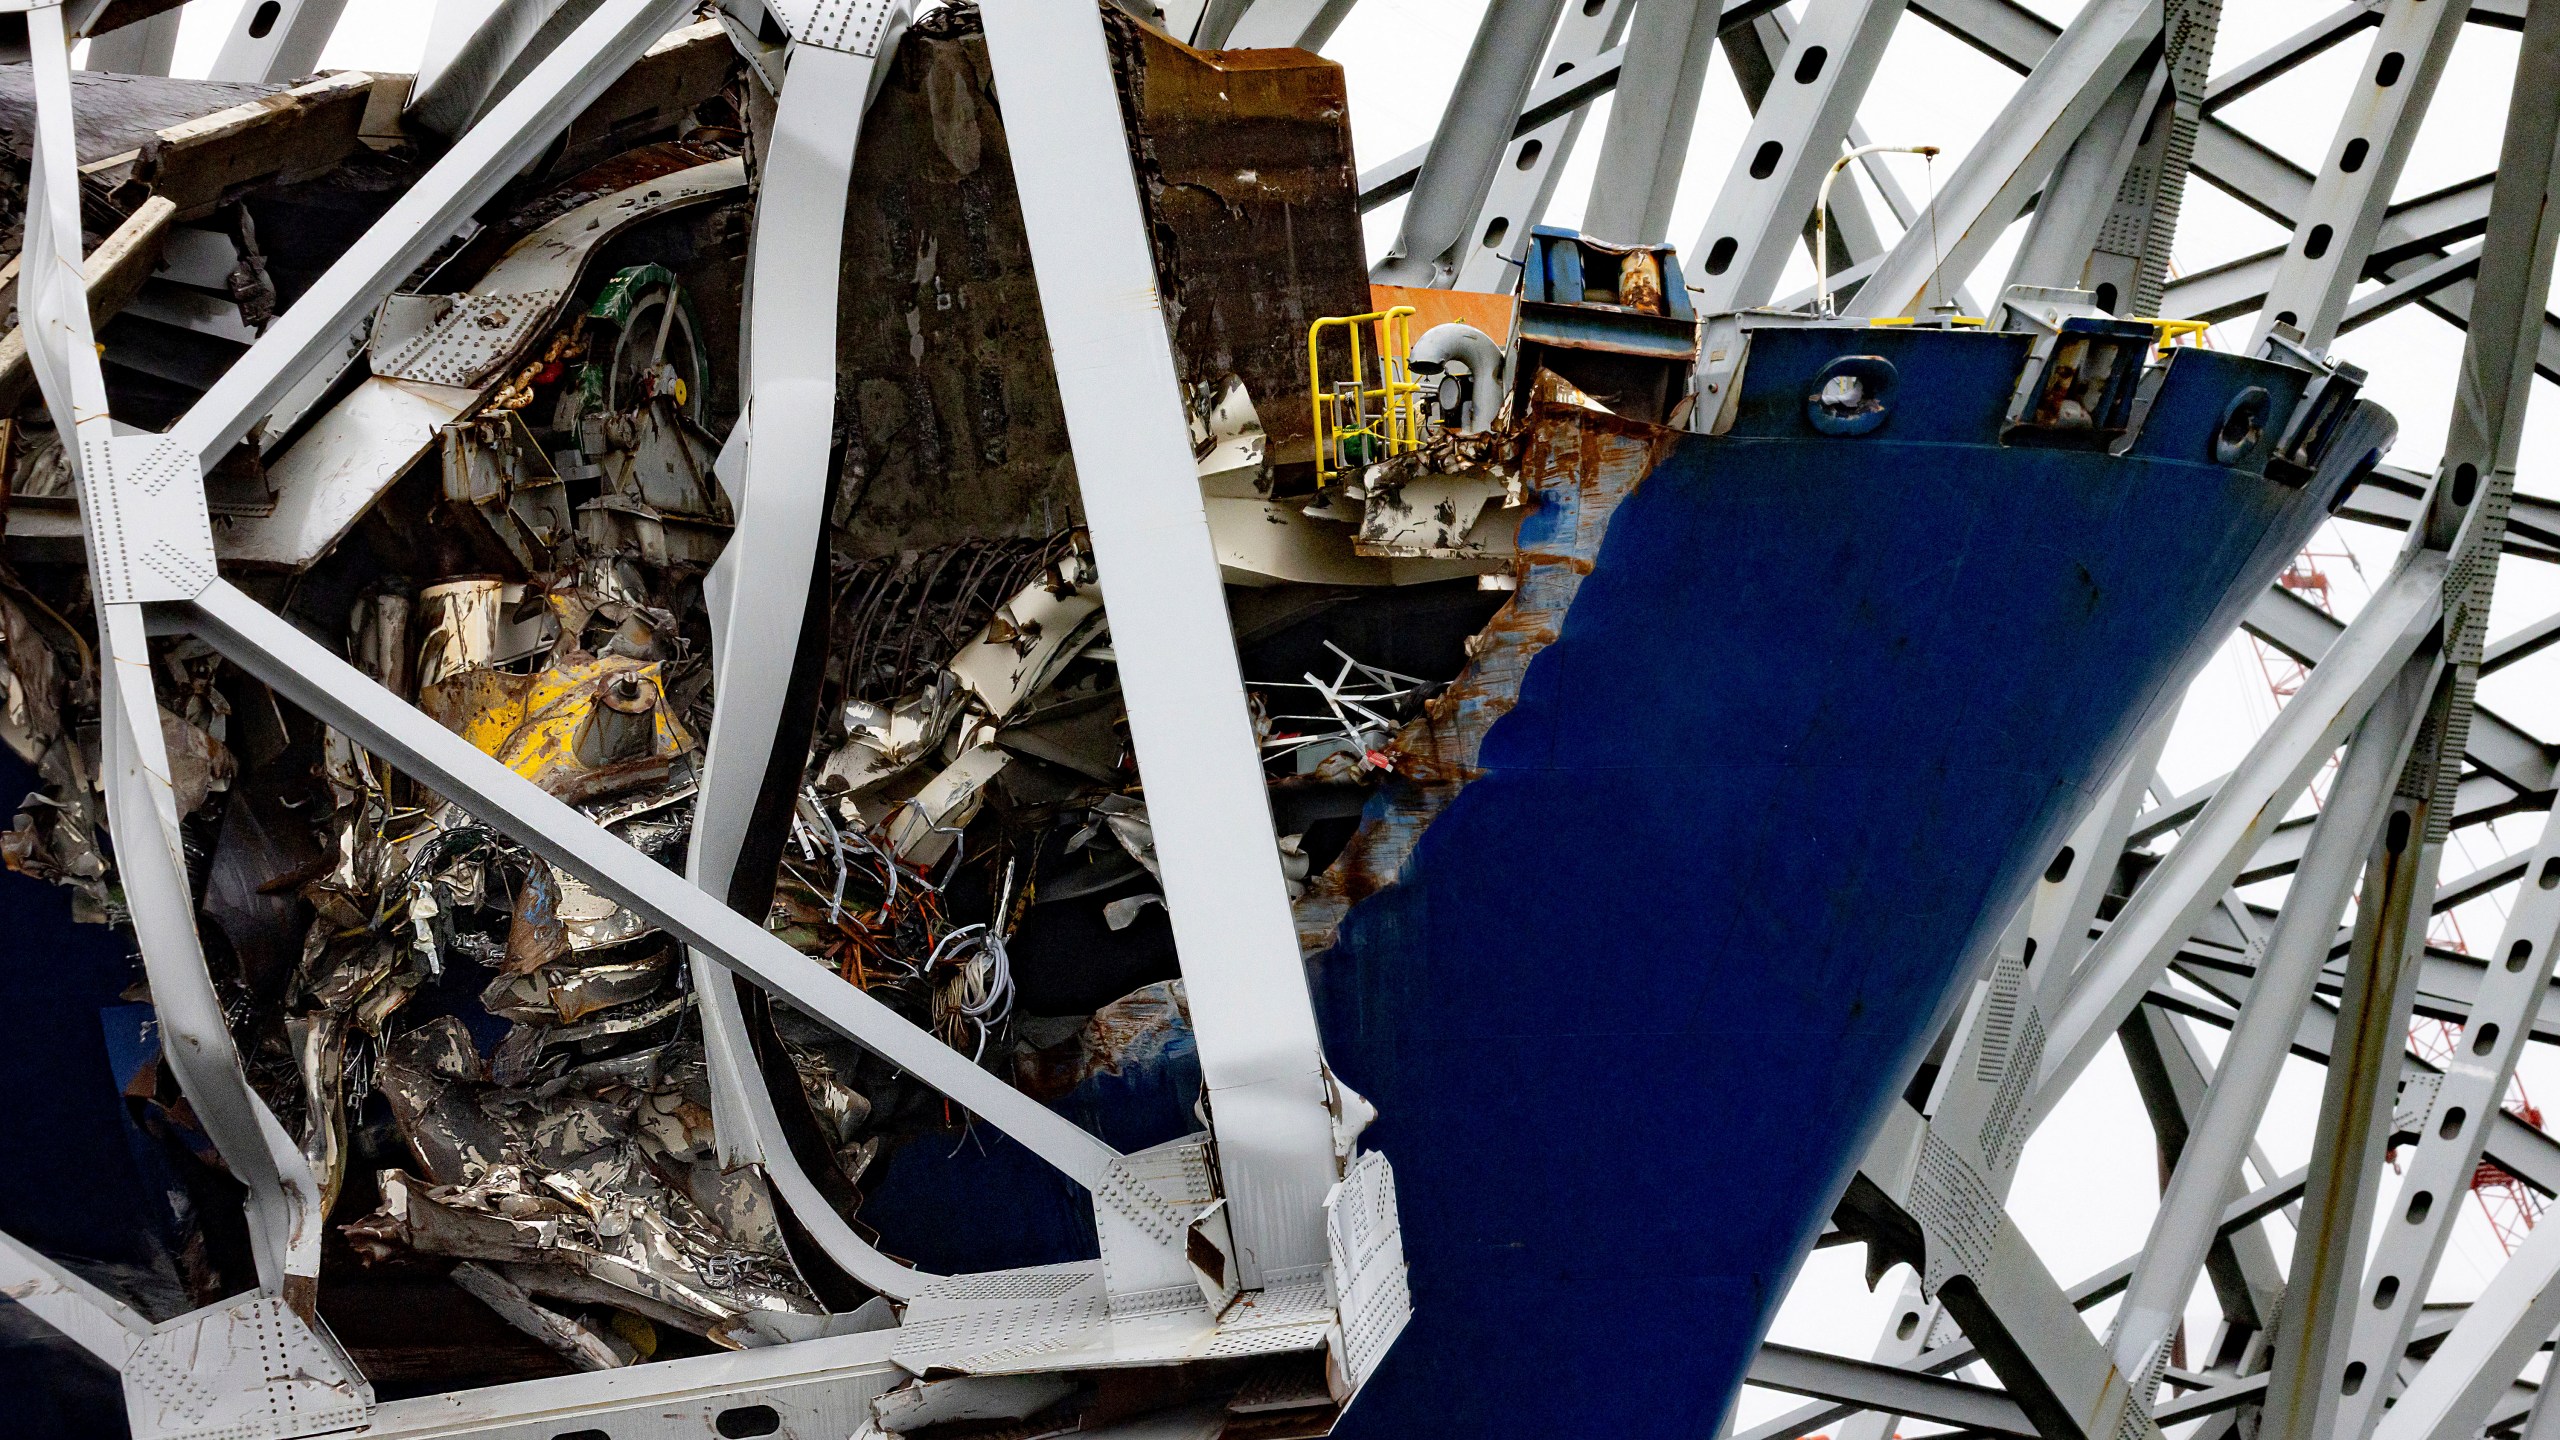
[759, 590]
[147, 544]
[1260, 1059]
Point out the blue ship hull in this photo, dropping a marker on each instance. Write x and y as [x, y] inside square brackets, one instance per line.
[1676, 882]
[1633, 1003]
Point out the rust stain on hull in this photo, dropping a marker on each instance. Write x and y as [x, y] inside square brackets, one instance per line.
[1577, 465]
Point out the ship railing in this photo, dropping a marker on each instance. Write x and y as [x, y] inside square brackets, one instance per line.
[1358, 422]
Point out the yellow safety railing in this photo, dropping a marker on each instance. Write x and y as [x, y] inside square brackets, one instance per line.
[2170, 330]
[1358, 422]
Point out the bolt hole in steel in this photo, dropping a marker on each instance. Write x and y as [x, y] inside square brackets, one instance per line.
[2452, 1125]
[2550, 873]
[2351, 159]
[745, 1420]
[1909, 1322]
[2419, 1206]
[1564, 66]
[2286, 317]
[2387, 74]
[2107, 297]
[1494, 232]
[2482, 1042]
[1529, 153]
[2519, 953]
[2353, 1380]
[2317, 244]
[582, 1435]
[2386, 1291]
[1720, 256]
[1764, 161]
[2027, 956]
[2398, 838]
[1809, 69]
[264, 19]
[2466, 482]
[1852, 395]
[2244, 424]
[2055, 873]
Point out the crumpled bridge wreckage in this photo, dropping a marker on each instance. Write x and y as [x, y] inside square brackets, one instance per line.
[716, 725]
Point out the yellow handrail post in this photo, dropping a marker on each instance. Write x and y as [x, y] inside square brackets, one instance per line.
[1341, 409]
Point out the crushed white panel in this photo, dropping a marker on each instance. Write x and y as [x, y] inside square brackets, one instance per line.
[456, 339]
[1366, 1239]
[248, 1369]
[464, 339]
[325, 481]
[151, 537]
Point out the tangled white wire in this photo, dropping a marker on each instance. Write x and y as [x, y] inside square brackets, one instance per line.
[985, 985]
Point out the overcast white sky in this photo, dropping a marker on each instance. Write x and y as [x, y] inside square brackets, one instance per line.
[2088, 1184]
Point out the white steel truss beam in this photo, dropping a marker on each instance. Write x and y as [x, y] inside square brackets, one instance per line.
[2174, 1078]
[1795, 135]
[2305, 1387]
[1516, 197]
[2057, 102]
[1976, 1409]
[1650, 116]
[144, 47]
[2292, 52]
[2236, 164]
[510, 39]
[2296, 953]
[1283, 24]
[2346, 1336]
[2105, 1285]
[2446, 1156]
[2338, 224]
[1552, 96]
[1437, 234]
[2075, 200]
[95, 1320]
[272, 41]
[2456, 1392]
[1261, 1061]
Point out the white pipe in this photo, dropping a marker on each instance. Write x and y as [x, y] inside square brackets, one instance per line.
[1822, 212]
[1483, 358]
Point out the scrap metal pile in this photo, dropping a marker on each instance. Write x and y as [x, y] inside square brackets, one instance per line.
[503, 503]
